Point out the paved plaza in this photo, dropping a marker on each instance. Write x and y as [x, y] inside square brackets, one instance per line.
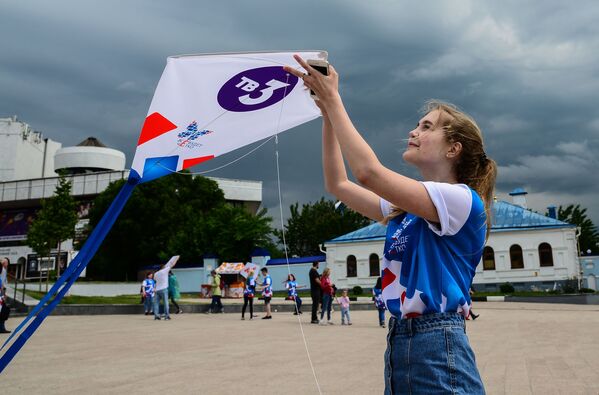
[520, 348]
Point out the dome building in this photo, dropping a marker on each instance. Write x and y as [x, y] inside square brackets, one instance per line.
[89, 156]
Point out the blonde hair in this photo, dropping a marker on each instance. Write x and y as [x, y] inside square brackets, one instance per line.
[473, 167]
[326, 272]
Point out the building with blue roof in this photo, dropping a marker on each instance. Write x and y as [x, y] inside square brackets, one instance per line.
[527, 249]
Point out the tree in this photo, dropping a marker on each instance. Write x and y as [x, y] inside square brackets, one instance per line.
[317, 223]
[589, 235]
[55, 222]
[176, 214]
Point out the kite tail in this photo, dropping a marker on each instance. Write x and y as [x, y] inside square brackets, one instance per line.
[70, 275]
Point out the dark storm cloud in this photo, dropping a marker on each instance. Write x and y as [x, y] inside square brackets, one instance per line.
[526, 71]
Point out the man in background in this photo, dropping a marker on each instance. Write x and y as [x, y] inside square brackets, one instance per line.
[315, 291]
[161, 292]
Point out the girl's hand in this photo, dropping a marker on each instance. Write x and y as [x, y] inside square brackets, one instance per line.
[326, 87]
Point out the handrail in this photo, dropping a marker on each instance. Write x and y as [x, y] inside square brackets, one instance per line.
[16, 282]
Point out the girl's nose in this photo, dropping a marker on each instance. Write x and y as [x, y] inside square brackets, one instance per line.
[413, 133]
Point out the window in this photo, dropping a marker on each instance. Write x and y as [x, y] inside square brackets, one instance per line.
[352, 266]
[375, 269]
[488, 258]
[516, 257]
[545, 254]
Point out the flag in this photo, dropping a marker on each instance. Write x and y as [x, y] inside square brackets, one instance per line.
[208, 105]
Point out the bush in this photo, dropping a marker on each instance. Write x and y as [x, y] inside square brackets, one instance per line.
[587, 290]
[570, 286]
[507, 288]
[357, 290]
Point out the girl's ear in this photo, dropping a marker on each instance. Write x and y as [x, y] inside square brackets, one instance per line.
[454, 150]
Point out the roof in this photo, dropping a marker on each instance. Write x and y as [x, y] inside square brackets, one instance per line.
[295, 261]
[506, 217]
[91, 142]
[518, 191]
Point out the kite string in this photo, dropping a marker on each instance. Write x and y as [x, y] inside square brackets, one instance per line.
[283, 234]
[217, 168]
[287, 260]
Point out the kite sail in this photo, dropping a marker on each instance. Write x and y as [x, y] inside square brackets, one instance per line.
[204, 106]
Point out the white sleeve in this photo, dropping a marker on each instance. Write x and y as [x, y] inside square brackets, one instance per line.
[385, 207]
[453, 203]
[171, 261]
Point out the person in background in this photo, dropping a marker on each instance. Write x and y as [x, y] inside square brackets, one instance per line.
[248, 295]
[379, 302]
[474, 316]
[4, 309]
[161, 277]
[148, 286]
[216, 306]
[344, 303]
[173, 291]
[315, 291]
[327, 296]
[266, 292]
[292, 287]
[4, 272]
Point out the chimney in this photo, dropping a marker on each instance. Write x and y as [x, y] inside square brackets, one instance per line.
[519, 197]
[552, 212]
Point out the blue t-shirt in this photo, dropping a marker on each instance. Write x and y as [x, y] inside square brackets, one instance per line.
[291, 288]
[267, 284]
[428, 268]
[250, 287]
[149, 286]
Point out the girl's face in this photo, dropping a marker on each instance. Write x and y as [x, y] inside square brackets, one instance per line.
[151, 276]
[344, 293]
[427, 145]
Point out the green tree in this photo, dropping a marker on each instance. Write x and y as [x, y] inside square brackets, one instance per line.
[589, 235]
[176, 214]
[316, 223]
[55, 222]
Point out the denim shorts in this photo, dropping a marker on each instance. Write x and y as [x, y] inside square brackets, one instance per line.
[430, 354]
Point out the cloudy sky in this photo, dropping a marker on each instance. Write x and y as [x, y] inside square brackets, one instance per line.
[527, 71]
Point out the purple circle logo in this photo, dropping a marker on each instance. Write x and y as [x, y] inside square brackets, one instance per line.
[255, 89]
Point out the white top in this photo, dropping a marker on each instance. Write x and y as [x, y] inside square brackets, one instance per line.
[161, 276]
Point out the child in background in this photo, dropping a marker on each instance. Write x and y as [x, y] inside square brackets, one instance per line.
[292, 287]
[344, 303]
[377, 296]
[148, 286]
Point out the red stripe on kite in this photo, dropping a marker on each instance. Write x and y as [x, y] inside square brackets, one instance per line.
[388, 277]
[154, 126]
[194, 161]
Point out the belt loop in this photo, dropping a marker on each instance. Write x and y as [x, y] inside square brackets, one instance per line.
[410, 330]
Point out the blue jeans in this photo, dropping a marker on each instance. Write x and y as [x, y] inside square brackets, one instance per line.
[298, 303]
[326, 306]
[161, 294]
[345, 315]
[430, 354]
[148, 301]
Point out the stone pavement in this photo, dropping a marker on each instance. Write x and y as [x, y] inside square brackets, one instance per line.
[521, 349]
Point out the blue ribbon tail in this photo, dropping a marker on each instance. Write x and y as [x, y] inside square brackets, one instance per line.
[70, 275]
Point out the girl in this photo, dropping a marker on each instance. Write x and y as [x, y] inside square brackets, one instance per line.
[436, 231]
[148, 286]
[377, 297]
[344, 303]
[173, 291]
[248, 295]
[327, 296]
[292, 287]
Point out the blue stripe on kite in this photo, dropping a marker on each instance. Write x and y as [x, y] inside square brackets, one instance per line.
[158, 167]
[70, 274]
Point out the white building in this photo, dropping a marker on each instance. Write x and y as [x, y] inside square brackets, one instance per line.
[27, 175]
[24, 152]
[527, 249]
